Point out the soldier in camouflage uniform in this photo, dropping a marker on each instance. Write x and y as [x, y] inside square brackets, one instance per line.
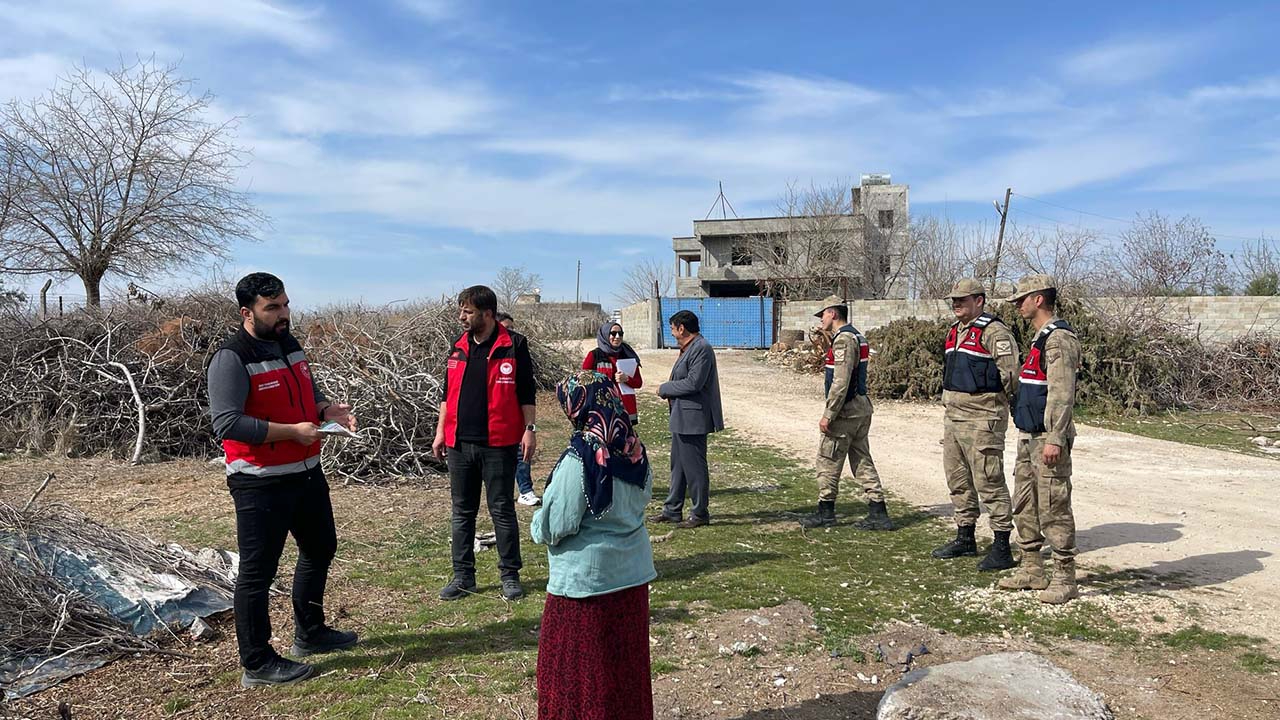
[1042, 410]
[845, 423]
[980, 367]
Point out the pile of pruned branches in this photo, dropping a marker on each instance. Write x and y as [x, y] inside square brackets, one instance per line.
[130, 380]
[48, 614]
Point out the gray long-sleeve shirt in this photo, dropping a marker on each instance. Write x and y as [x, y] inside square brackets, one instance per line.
[229, 390]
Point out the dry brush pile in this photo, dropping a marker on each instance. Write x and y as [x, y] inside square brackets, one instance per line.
[130, 381]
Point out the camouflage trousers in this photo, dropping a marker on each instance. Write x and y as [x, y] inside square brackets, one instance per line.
[847, 438]
[1042, 499]
[973, 459]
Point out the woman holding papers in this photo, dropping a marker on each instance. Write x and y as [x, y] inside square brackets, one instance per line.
[617, 361]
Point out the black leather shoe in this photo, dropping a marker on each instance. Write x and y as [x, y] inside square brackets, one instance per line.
[693, 522]
[458, 588]
[277, 671]
[511, 589]
[324, 640]
[663, 517]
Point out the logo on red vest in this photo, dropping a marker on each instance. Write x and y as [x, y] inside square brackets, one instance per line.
[506, 368]
[305, 369]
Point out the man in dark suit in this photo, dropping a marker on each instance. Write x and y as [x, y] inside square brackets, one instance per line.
[693, 396]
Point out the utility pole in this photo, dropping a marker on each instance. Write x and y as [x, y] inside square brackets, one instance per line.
[577, 290]
[1004, 216]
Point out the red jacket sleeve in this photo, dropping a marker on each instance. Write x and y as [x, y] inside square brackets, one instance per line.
[636, 382]
[587, 363]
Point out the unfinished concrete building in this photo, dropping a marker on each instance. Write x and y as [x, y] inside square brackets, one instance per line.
[852, 252]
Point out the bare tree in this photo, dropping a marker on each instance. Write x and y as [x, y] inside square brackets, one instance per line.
[816, 244]
[512, 282]
[123, 174]
[1158, 257]
[941, 251]
[637, 285]
[1072, 255]
[1258, 267]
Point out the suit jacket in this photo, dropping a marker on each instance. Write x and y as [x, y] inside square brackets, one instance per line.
[694, 391]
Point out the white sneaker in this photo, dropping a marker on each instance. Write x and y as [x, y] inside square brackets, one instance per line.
[529, 499]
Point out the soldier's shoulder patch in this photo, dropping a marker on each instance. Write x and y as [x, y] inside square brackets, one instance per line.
[838, 354]
[1004, 347]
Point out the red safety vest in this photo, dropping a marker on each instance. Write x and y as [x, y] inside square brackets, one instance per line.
[506, 420]
[968, 366]
[607, 365]
[858, 382]
[1033, 383]
[280, 391]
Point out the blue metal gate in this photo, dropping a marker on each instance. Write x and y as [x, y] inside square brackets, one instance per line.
[725, 322]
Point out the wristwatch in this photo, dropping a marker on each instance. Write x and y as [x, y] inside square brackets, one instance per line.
[531, 427]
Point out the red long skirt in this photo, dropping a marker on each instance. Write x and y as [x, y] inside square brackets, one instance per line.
[593, 657]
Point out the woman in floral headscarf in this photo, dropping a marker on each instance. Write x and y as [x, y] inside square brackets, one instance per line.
[593, 650]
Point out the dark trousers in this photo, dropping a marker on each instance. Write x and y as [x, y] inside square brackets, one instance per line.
[689, 476]
[265, 516]
[472, 467]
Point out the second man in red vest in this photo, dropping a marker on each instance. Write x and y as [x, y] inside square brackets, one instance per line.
[487, 417]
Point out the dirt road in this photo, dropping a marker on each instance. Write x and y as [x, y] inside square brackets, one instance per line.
[1200, 525]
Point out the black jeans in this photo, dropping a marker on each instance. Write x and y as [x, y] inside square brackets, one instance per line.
[265, 516]
[471, 467]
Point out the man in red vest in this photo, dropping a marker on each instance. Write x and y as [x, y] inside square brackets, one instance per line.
[265, 410]
[486, 419]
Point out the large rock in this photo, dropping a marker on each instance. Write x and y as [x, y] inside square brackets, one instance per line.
[1004, 686]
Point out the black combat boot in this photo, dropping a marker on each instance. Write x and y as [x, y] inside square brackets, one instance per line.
[999, 557]
[964, 544]
[825, 517]
[877, 518]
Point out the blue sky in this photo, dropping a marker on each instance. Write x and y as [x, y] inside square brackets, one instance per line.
[408, 147]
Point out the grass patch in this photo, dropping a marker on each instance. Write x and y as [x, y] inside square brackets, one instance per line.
[421, 657]
[1197, 637]
[663, 666]
[1259, 663]
[177, 704]
[1218, 430]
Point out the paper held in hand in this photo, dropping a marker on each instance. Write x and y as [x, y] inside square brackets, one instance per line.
[628, 366]
[333, 428]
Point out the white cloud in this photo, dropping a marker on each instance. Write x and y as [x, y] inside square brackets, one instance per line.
[1123, 62]
[385, 101]
[30, 75]
[135, 25]
[990, 102]
[626, 93]
[1267, 88]
[1050, 167]
[778, 96]
[433, 10]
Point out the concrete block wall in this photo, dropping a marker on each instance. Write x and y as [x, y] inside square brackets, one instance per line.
[864, 314]
[640, 322]
[1212, 319]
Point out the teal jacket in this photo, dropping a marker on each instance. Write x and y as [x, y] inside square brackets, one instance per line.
[593, 556]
